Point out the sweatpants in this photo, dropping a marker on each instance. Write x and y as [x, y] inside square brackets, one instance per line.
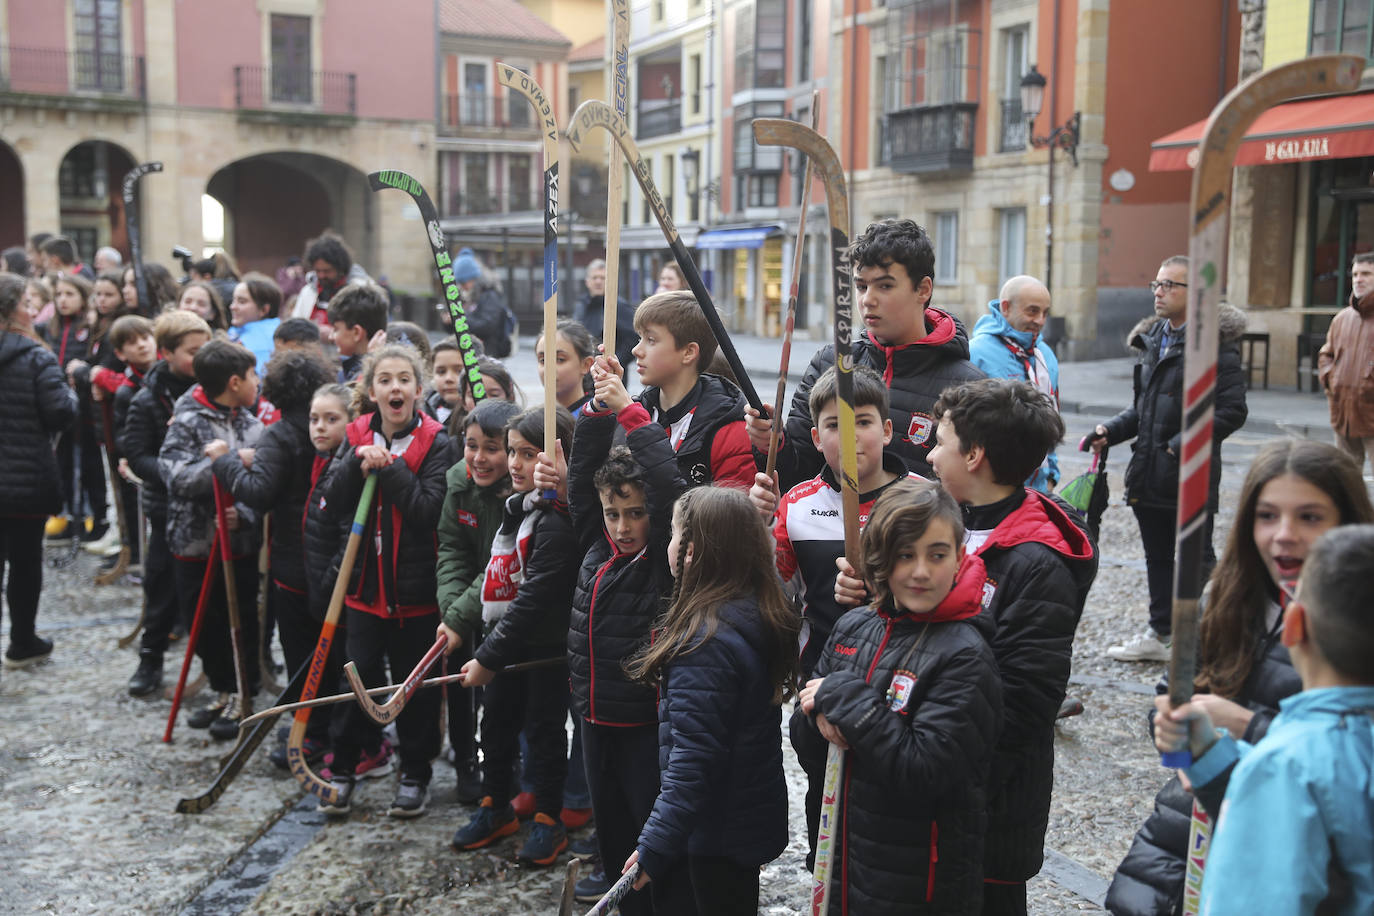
[621, 764]
[718, 885]
[371, 644]
[159, 588]
[1158, 534]
[21, 550]
[537, 701]
[214, 646]
[300, 633]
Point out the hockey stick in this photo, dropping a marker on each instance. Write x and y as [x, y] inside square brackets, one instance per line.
[295, 755]
[249, 740]
[518, 81]
[618, 892]
[779, 132]
[565, 900]
[231, 598]
[386, 713]
[126, 641]
[793, 290]
[619, 87]
[115, 573]
[207, 582]
[131, 178]
[1211, 204]
[592, 114]
[443, 264]
[456, 678]
[264, 646]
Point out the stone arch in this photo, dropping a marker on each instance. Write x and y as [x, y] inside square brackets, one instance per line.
[90, 181]
[12, 190]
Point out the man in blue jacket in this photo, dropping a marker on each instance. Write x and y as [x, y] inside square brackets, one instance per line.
[1006, 343]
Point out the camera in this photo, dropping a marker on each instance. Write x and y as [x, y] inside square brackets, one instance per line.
[184, 254]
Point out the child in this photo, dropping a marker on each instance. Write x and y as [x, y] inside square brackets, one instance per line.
[132, 340]
[298, 334]
[574, 352]
[477, 487]
[203, 299]
[357, 314]
[179, 337]
[391, 607]
[497, 381]
[723, 660]
[38, 298]
[704, 414]
[909, 688]
[411, 335]
[448, 372]
[1295, 832]
[212, 418]
[526, 593]
[253, 311]
[69, 337]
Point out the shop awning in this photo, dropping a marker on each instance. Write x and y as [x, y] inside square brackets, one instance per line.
[1335, 127]
[740, 237]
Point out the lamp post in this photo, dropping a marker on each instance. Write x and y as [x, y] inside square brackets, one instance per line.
[1065, 137]
[691, 181]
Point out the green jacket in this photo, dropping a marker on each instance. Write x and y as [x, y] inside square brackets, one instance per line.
[467, 525]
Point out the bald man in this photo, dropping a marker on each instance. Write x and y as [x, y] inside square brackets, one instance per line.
[1006, 344]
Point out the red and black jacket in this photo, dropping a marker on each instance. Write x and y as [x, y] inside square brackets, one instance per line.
[706, 430]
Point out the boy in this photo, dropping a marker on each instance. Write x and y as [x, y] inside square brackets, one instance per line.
[991, 436]
[357, 314]
[298, 334]
[446, 363]
[1295, 832]
[214, 416]
[179, 335]
[919, 351]
[701, 412]
[131, 340]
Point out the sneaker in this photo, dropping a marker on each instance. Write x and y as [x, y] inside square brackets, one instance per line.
[344, 784]
[523, 805]
[226, 725]
[95, 533]
[575, 818]
[22, 655]
[313, 751]
[546, 840]
[104, 544]
[202, 717]
[486, 827]
[1147, 647]
[58, 530]
[371, 764]
[587, 848]
[1070, 707]
[148, 678]
[469, 790]
[410, 798]
[593, 887]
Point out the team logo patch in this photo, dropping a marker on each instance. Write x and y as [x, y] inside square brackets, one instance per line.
[467, 518]
[321, 503]
[922, 425]
[989, 590]
[700, 473]
[899, 691]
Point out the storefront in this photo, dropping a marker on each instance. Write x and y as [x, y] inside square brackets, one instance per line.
[752, 257]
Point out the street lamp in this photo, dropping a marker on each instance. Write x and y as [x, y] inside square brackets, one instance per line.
[691, 180]
[1064, 137]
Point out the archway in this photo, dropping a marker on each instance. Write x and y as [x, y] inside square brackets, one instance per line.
[90, 197]
[275, 202]
[11, 191]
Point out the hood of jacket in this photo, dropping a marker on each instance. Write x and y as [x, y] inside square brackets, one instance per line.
[994, 322]
[13, 345]
[1231, 323]
[945, 339]
[1041, 520]
[964, 601]
[165, 383]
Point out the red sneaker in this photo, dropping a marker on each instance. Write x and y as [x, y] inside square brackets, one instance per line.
[575, 818]
[523, 805]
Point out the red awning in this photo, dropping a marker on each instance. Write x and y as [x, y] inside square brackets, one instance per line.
[1335, 127]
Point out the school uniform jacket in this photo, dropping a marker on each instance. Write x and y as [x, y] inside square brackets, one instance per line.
[467, 524]
[706, 429]
[323, 536]
[144, 427]
[37, 405]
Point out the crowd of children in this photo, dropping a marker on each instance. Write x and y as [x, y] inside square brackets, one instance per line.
[641, 573]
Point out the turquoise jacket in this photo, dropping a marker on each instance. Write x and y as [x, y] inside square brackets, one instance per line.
[1001, 351]
[1300, 805]
[257, 336]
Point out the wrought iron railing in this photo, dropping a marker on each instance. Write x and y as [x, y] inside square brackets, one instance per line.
[657, 117]
[471, 110]
[485, 203]
[56, 72]
[1013, 131]
[321, 91]
[932, 138]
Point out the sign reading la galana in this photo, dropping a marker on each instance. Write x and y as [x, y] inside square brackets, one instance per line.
[1306, 148]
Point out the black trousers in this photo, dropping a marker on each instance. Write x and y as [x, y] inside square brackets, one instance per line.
[463, 703]
[159, 588]
[536, 701]
[1004, 899]
[300, 633]
[214, 646]
[21, 550]
[622, 774]
[92, 471]
[128, 494]
[719, 885]
[1158, 534]
[371, 644]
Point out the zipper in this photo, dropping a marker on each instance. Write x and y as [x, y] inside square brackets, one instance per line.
[591, 644]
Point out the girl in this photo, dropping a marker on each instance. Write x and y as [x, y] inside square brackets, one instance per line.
[38, 300]
[723, 660]
[392, 583]
[497, 380]
[411, 335]
[162, 289]
[253, 311]
[203, 299]
[37, 404]
[1295, 491]
[575, 351]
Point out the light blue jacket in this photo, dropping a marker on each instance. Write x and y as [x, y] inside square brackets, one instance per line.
[1001, 351]
[1303, 793]
[257, 336]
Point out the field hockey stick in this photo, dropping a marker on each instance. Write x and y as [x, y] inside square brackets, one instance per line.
[231, 598]
[386, 713]
[524, 84]
[443, 265]
[207, 582]
[592, 114]
[618, 86]
[618, 892]
[131, 226]
[1207, 243]
[295, 741]
[793, 290]
[121, 566]
[826, 830]
[565, 899]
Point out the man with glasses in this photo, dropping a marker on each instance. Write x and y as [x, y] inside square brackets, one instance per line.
[1154, 420]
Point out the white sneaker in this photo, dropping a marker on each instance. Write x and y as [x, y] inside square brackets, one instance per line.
[1147, 647]
[107, 545]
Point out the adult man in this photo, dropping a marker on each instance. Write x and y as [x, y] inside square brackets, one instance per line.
[918, 350]
[331, 268]
[487, 315]
[1155, 421]
[107, 258]
[1006, 343]
[589, 310]
[1345, 365]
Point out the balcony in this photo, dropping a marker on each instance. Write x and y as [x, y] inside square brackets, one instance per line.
[1013, 127]
[658, 118]
[929, 139]
[82, 80]
[288, 94]
[476, 114]
[487, 203]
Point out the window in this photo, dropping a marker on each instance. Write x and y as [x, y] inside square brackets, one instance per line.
[98, 62]
[291, 59]
[1011, 232]
[1341, 25]
[932, 62]
[475, 95]
[694, 81]
[476, 187]
[797, 164]
[770, 44]
[749, 156]
[649, 169]
[518, 168]
[947, 247]
[1014, 43]
[744, 48]
[761, 190]
[574, 98]
[626, 185]
[668, 179]
[803, 41]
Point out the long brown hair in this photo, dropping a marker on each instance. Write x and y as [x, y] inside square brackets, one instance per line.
[101, 329]
[1241, 587]
[732, 557]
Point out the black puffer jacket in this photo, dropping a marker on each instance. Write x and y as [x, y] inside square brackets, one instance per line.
[145, 426]
[278, 483]
[37, 405]
[1149, 881]
[915, 376]
[1155, 419]
[486, 314]
[719, 752]
[919, 702]
[324, 534]
[715, 448]
[618, 595]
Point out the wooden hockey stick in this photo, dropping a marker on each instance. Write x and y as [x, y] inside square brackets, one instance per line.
[231, 598]
[521, 82]
[565, 900]
[1207, 242]
[131, 178]
[115, 573]
[592, 114]
[619, 94]
[128, 639]
[386, 713]
[207, 582]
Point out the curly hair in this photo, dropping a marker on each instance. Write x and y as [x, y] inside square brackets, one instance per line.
[331, 249]
[292, 378]
[900, 241]
[620, 474]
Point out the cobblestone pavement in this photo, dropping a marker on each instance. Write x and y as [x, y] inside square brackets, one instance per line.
[87, 788]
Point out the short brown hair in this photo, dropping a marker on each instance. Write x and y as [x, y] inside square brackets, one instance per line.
[869, 391]
[127, 329]
[1332, 591]
[264, 292]
[681, 316]
[1016, 424]
[175, 325]
[900, 517]
[1364, 257]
